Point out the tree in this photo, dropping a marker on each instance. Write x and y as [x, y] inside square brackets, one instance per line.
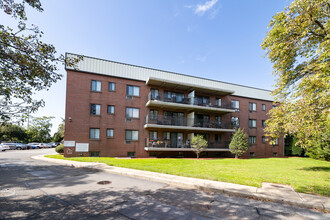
[198, 144]
[59, 135]
[27, 64]
[39, 131]
[10, 132]
[238, 144]
[298, 45]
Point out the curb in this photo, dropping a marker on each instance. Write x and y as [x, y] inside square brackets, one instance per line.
[194, 183]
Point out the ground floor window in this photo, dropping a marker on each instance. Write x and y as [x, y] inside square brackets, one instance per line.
[251, 154]
[94, 154]
[217, 138]
[131, 154]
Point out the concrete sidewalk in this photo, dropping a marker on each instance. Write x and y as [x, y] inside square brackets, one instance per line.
[269, 191]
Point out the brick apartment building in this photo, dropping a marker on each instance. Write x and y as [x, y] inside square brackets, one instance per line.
[117, 109]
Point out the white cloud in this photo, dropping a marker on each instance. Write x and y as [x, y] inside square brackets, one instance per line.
[201, 9]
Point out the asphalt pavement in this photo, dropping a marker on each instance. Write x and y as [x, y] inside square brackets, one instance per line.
[33, 189]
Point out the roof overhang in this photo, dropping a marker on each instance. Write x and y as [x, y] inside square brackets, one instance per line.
[163, 83]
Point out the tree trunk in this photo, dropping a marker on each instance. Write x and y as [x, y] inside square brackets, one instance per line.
[197, 156]
[236, 157]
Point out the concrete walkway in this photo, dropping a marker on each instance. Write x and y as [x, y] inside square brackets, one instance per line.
[283, 194]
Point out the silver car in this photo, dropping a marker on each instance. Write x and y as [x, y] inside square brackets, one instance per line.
[4, 147]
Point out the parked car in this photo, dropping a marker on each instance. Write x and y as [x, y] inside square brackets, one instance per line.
[4, 147]
[53, 144]
[45, 145]
[20, 146]
[12, 146]
[35, 145]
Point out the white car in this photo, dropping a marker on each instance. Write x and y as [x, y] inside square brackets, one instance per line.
[4, 147]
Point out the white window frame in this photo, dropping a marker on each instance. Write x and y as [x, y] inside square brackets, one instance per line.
[112, 86]
[94, 133]
[134, 135]
[110, 132]
[132, 112]
[96, 86]
[97, 109]
[253, 123]
[112, 109]
[135, 90]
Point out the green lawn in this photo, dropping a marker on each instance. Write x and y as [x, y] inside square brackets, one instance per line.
[304, 174]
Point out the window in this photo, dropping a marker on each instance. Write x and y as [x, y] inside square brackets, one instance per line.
[154, 93]
[252, 123]
[273, 106]
[275, 154]
[110, 133]
[252, 140]
[132, 113]
[217, 138]
[252, 106]
[133, 91]
[131, 135]
[111, 109]
[218, 120]
[112, 86]
[166, 135]
[263, 123]
[174, 96]
[131, 154]
[153, 135]
[153, 114]
[251, 154]
[95, 154]
[235, 122]
[235, 104]
[263, 107]
[94, 133]
[95, 109]
[96, 86]
[276, 141]
[263, 138]
[218, 102]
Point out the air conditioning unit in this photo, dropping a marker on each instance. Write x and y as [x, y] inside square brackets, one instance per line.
[129, 97]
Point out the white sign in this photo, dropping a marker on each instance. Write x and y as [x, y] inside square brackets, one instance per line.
[82, 147]
[69, 143]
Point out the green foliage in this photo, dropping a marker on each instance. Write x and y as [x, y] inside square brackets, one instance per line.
[39, 131]
[296, 149]
[60, 149]
[198, 144]
[11, 132]
[303, 174]
[298, 45]
[27, 64]
[59, 135]
[239, 144]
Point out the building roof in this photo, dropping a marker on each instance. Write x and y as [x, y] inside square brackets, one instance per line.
[116, 69]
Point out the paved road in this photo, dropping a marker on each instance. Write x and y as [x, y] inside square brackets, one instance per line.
[31, 189]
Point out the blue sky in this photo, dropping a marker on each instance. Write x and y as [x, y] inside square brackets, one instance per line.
[216, 39]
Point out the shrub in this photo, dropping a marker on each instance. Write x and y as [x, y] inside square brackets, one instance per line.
[60, 149]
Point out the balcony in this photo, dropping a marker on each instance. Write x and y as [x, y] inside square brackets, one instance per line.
[187, 124]
[185, 103]
[165, 145]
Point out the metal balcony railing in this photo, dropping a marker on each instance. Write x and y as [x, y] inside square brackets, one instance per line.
[189, 101]
[158, 143]
[191, 122]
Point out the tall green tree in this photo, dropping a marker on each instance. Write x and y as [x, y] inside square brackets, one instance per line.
[59, 135]
[11, 132]
[298, 45]
[239, 144]
[27, 64]
[40, 128]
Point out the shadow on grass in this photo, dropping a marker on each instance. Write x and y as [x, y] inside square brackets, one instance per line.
[327, 169]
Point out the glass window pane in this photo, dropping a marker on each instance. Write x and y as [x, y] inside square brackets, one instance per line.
[135, 135]
[128, 135]
[136, 91]
[135, 113]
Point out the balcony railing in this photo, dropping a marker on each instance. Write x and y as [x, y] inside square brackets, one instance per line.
[191, 122]
[189, 101]
[157, 143]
